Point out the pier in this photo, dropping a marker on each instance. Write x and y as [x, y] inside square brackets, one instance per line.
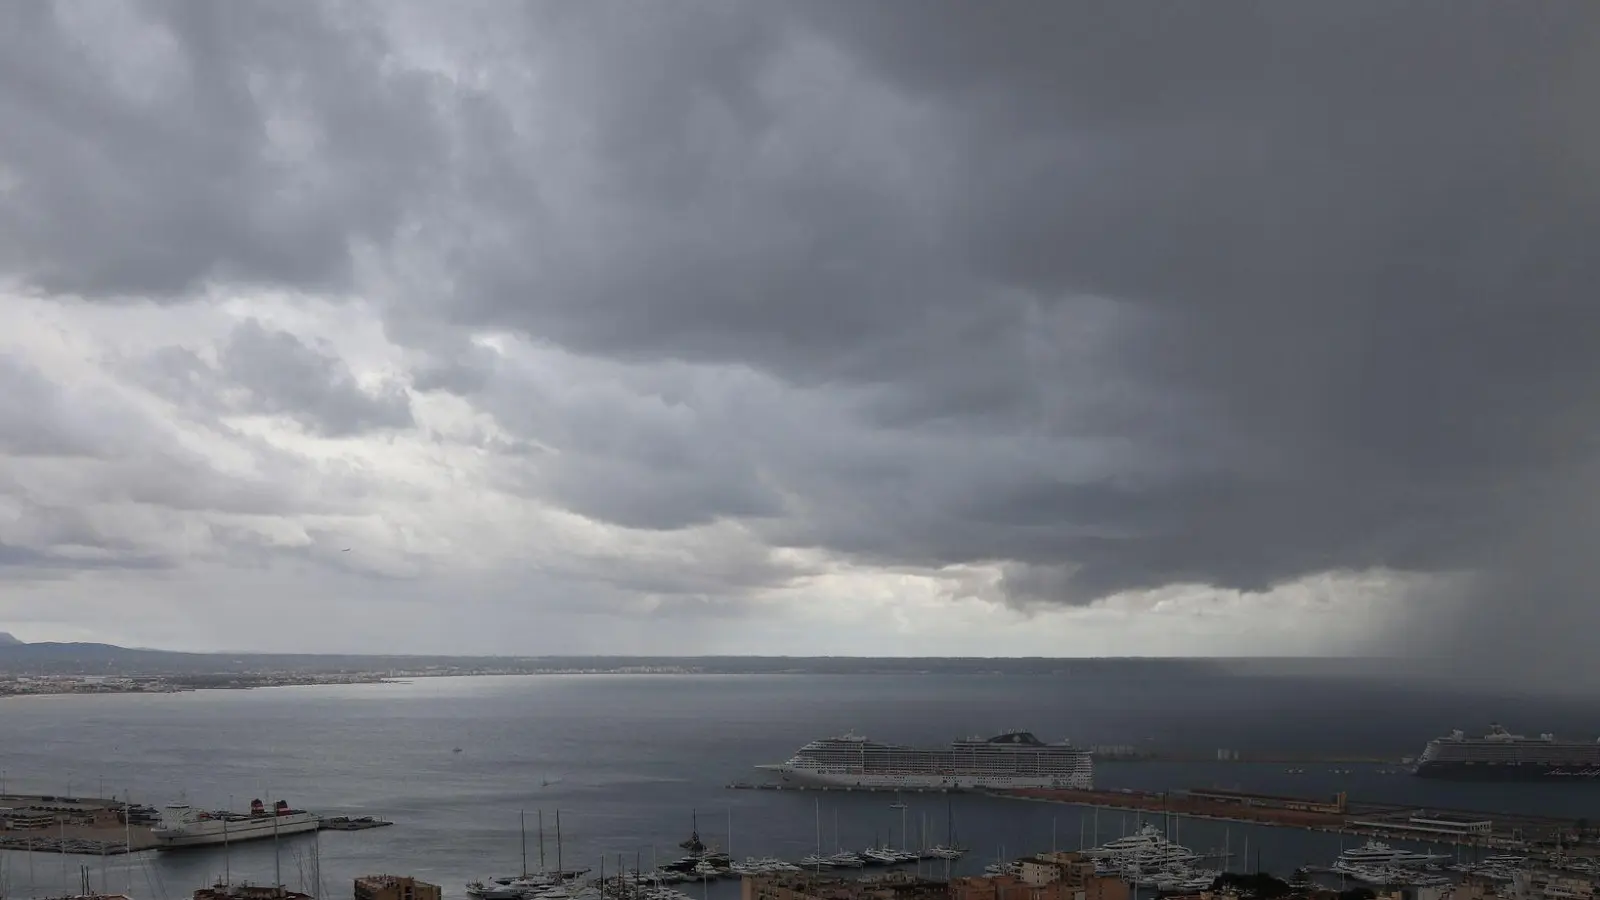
[773, 786]
[345, 823]
[1337, 815]
[89, 826]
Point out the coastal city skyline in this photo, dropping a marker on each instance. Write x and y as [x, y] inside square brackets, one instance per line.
[810, 328]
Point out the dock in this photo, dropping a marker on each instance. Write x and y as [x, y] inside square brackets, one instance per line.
[80, 846]
[88, 826]
[773, 786]
[1337, 815]
[345, 823]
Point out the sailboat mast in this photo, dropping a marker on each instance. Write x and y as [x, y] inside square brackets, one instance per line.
[277, 866]
[522, 821]
[819, 835]
[559, 873]
[541, 842]
[127, 841]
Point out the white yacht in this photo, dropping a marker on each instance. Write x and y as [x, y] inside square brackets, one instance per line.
[1377, 853]
[1144, 840]
[1146, 850]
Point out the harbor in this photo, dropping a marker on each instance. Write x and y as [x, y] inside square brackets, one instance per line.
[1150, 858]
[621, 798]
[1336, 814]
[89, 826]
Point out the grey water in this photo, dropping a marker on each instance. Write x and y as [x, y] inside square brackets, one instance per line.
[631, 760]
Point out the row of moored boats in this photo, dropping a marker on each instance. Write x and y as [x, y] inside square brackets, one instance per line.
[701, 863]
[1147, 858]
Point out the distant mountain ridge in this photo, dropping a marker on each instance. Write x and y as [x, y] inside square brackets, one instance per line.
[51, 658]
[8, 640]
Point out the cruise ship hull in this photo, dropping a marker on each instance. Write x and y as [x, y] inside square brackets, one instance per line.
[882, 781]
[1488, 771]
[212, 833]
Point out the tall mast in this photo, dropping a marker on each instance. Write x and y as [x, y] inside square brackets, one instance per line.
[277, 869]
[316, 862]
[819, 834]
[541, 842]
[127, 841]
[559, 873]
[522, 821]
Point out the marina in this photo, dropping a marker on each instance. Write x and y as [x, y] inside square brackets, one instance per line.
[103, 827]
[1336, 814]
[456, 813]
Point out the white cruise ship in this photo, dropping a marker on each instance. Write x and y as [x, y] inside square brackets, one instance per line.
[1015, 759]
[182, 826]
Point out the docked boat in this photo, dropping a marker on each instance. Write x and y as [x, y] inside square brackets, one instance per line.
[1388, 875]
[183, 826]
[1014, 759]
[1503, 756]
[1377, 853]
[1146, 850]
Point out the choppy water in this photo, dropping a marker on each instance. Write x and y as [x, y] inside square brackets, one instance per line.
[629, 759]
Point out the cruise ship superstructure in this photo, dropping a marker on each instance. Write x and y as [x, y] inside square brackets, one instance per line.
[183, 826]
[1503, 756]
[1014, 759]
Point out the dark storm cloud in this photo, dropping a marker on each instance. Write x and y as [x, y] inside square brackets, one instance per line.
[1117, 295]
[27, 563]
[41, 418]
[151, 148]
[1349, 239]
[285, 375]
[263, 370]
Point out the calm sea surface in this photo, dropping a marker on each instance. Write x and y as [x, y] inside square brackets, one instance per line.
[629, 760]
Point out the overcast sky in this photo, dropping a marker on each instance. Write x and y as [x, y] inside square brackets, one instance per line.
[809, 327]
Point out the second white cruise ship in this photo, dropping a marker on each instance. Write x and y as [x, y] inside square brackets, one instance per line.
[1015, 759]
[182, 826]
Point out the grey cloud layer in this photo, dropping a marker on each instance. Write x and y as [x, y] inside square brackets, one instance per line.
[1119, 295]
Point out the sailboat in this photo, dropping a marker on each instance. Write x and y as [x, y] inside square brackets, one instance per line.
[898, 803]
[949, 849]
[528, 883]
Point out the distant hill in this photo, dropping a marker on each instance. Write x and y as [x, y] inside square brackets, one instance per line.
[6, 640]
[45, 658]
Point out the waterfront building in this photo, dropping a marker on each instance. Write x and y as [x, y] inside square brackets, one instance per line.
[804, 886]
[1535, 884]
[1068, 867]
[1435, 825]
[395, 887]
[1047, 876]
[1015, 887]
[26, 819]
